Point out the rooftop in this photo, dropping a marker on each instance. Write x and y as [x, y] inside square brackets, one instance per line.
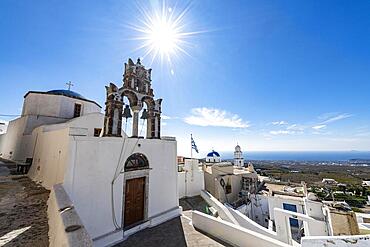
[63, 92]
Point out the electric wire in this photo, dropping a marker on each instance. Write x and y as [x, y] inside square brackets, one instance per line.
[114, 219]
[122, 154]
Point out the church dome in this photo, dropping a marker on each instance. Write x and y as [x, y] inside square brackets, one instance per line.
[237, 148]
[213, 154]
[67, 93]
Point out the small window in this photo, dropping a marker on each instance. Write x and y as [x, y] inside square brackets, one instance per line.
[97, 132]
[77, 111]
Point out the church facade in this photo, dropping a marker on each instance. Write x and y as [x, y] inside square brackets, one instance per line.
[115, 180]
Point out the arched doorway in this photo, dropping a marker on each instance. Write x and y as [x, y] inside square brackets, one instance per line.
[136, 185]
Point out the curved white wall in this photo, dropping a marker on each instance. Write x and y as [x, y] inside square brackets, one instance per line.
[55, 105]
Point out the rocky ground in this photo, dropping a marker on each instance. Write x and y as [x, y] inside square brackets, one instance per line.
[23, 209]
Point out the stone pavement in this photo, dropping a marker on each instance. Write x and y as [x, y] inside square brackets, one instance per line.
[177, 232]
[23, 209]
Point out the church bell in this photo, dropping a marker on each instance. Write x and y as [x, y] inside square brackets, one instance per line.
[127, 112]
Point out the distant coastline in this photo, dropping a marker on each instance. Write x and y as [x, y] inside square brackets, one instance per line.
[302, 155]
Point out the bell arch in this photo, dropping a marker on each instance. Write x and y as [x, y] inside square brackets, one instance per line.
[150, 116]
[132, 98]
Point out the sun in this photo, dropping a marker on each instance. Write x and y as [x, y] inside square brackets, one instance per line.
[163, 37]
[163, 33]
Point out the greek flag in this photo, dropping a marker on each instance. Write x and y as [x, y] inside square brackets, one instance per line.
[193, 145]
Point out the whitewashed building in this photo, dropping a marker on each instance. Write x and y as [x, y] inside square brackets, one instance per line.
[114, 183]
[42, 108]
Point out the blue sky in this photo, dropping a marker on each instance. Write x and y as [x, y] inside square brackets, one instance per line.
[270, 75]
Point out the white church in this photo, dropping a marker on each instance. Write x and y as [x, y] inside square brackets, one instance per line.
[105, 183]
[39, 109]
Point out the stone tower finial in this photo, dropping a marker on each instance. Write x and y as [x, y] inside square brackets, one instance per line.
[138, 61]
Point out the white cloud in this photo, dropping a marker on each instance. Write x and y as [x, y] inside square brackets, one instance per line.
[282, 132]
[215, 117]
[329, 117]
[318, 127]
[279, 123]
[295, 127]
[165, 117]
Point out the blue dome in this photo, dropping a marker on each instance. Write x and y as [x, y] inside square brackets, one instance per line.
[68, 93]
[213, 154]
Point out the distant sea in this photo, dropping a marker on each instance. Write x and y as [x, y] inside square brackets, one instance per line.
[301, 156]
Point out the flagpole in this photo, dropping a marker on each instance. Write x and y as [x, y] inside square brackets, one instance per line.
[191, 147]
[191, 154]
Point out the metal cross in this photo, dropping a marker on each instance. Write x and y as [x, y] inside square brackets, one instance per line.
[69, 84]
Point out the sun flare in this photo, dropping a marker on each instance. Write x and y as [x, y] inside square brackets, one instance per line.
[162, 36]
[163, 33]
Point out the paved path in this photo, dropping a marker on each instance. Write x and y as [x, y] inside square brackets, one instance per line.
[175, 233]
[23, 217]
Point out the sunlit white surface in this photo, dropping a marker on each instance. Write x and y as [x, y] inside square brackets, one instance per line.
[12, 235]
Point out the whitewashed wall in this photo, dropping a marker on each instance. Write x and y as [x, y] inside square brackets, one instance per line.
[93, 162]
[258, 209]
[11, 148]
[191, 180]
[2, 140]
[278, 200]
[55, 105]
[52, 142]
[50, 158]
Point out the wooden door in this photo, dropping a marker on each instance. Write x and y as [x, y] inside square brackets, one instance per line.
[134, 201]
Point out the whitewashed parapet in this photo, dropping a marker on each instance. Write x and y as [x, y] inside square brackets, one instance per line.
[232, 234]
[222, 211]
[65, 226]
[337, 241]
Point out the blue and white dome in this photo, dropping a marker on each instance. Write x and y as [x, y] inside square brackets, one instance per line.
[67, 93]
[213, 154]
[213, 157]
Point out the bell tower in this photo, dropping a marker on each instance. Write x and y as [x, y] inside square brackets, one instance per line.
[238, 156]
[137, 88]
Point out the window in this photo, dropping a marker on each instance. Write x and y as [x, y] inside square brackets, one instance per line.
[77, 111]
[136, 161]
[97, 132]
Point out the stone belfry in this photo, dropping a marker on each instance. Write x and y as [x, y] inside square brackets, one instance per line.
[137, 88]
